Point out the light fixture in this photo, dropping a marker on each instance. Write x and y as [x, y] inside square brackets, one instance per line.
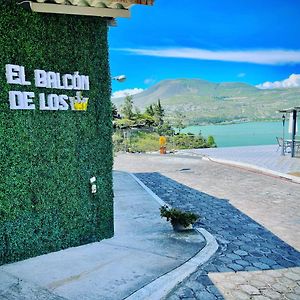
[283, 120]
[120, 78]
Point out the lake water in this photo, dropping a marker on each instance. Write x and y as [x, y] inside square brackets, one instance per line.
[243, 134]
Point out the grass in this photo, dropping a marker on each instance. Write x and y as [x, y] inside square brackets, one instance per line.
[144, 141]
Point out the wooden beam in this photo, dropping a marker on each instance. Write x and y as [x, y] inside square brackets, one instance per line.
[76, 10]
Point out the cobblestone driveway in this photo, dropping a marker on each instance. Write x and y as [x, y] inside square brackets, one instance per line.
[252, 263]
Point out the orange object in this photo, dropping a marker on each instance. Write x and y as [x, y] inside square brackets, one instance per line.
[162, 150]
[162, 140]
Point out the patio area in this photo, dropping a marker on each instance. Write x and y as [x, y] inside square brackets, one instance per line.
[292, 142]
[266, 156]
[255, 219]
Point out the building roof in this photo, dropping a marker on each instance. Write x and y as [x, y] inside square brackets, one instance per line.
[289, 110]
[101, 8]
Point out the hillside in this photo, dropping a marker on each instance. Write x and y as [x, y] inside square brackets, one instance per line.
[204, 101]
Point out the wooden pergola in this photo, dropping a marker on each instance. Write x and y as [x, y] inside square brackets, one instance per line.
[100, 8]
[293, 111]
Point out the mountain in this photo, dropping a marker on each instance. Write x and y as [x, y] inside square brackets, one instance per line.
[203, 101]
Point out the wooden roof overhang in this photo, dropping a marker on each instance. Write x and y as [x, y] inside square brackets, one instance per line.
[100, 8]
[289, 110]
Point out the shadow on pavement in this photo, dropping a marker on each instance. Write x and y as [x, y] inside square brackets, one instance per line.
[245, 245]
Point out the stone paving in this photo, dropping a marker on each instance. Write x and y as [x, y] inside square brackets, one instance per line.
[246, 247]
[271, 201]
[266, 156]
[259, 285]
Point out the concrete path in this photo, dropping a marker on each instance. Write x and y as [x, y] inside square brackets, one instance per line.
[144, 247]
[265, 156]
[255, 218]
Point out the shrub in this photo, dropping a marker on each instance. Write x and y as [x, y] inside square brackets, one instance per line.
[188, 141]
[211, 141]
[144, 141]
[177, 216]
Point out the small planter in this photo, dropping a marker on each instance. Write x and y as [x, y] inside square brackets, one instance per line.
[180, 220]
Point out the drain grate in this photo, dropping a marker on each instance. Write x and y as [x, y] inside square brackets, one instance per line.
[184, 169]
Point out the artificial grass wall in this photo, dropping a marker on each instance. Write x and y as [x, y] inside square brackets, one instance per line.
[48, 157]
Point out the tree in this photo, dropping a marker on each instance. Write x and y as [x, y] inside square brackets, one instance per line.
[123, 123]
[211, 141]
[179, 120]
[115, 113]
[145, 120]
[165, 129]
[127, 107]
[149, 110]
[159, 112]
[137, 111]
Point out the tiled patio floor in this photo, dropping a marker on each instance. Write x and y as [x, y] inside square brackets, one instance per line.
[261, 156]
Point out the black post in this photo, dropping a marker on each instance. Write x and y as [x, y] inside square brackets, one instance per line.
[293, 132]
[283, 143]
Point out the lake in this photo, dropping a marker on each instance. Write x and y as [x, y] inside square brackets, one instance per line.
[243, 134]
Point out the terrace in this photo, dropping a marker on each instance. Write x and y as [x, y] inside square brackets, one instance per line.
[293, 143]
[263, 159]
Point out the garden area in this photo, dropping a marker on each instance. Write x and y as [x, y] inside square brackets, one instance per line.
[136, 131]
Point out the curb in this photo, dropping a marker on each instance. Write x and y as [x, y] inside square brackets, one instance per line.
[253, 168]
[160, 201]
[162, 286]
[247, 166]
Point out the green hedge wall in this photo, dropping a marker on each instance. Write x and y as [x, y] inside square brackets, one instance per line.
[48, 157]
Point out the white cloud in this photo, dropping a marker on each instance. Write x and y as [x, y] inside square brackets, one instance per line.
[126, 92]
[149, 81]
[264, 57]
[292, 81]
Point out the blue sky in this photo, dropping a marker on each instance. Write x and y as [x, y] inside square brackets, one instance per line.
[251, 41]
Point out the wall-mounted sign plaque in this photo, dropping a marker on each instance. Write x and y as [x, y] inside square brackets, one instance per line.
[16, 75]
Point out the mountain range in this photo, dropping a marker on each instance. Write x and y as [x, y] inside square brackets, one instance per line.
[203, 102]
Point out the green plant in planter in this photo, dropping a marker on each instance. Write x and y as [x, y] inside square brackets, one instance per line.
[178, 217]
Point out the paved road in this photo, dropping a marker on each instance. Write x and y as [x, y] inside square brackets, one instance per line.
[254, 217]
